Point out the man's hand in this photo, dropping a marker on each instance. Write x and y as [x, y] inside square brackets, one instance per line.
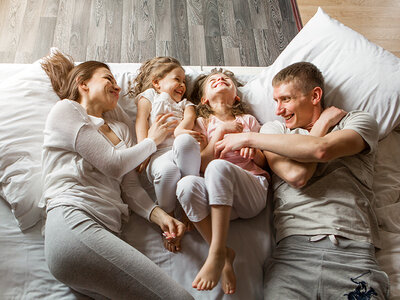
[230, 142]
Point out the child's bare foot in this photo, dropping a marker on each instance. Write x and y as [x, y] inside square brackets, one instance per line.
[210, 273]
[228, 278]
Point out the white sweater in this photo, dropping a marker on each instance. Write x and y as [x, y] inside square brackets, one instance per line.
[82, 168]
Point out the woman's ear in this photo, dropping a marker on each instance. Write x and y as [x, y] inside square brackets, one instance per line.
[203, 100]
[237, 98]
[316, 95]
[82, 85]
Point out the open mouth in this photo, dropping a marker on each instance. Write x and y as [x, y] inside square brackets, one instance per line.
[287, 118]
[220, 83]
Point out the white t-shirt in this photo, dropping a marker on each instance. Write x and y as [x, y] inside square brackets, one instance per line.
[82, 168]
[337, 199]
[161, 104]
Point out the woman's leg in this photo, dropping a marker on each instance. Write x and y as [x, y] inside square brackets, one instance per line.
[87, 257]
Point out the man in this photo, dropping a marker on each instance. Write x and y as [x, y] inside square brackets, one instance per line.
[322, 161]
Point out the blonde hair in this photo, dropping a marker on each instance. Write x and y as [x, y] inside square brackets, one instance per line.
[65, 77]
[153, 69]
[205, 110]
[305, 75]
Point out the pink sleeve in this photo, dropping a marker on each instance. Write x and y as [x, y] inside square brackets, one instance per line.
[200, 126]
[253, 123]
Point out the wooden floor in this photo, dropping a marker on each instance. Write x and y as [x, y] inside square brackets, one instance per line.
[197, 32]
[378, 20]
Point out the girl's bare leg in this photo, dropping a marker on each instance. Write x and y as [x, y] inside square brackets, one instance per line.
[219, 262]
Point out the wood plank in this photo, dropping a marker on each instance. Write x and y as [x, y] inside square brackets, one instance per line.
[211, 18]
[147, 50]
[247, 45]
[11, 26]
[275, 34]
[231, 53]
[146, 20]
[129, 36]
[49, 9]
[163, 48]
[195, 12]
[257, 13]
[198, 53]
[163, 20]
[42, 46]
[79, 30]
[180, 34]
[112, 45]
[27, 38]
[266, 52]
[62, 32]
[215, 53]
[96, 36]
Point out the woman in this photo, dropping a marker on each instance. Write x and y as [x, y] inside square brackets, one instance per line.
[88, 162]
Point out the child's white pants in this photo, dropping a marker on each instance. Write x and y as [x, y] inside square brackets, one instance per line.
[168, 165]
[223, 184]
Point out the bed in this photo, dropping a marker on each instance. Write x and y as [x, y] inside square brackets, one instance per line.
[359, 75]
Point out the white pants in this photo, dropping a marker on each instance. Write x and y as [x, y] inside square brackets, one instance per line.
[168, 165]
[223, 184]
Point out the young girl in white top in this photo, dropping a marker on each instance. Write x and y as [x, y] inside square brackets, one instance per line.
[160, 88]
[233, 187]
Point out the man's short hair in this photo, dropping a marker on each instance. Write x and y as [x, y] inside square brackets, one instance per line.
[305, 75]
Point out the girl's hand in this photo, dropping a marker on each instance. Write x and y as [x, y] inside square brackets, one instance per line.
[197, 135]
[161, 129]
[142, 166]
[248, 152]
[231, 127]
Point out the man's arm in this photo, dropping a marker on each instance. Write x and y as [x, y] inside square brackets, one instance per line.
[292, 155]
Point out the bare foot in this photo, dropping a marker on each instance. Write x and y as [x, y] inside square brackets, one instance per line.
[228, 278]
[210, 273]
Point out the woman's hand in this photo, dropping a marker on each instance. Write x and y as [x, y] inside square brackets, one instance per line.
[161, 128]
[173, 229]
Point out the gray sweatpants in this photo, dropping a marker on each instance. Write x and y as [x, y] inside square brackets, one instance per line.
[301, 269]
[93, 261]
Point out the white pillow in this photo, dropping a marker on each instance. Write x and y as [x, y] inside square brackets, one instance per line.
[358, 74]
[25, 100]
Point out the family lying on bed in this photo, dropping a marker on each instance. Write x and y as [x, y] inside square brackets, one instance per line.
[212, 157]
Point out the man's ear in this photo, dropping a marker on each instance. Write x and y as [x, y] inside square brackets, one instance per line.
[317, 95]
